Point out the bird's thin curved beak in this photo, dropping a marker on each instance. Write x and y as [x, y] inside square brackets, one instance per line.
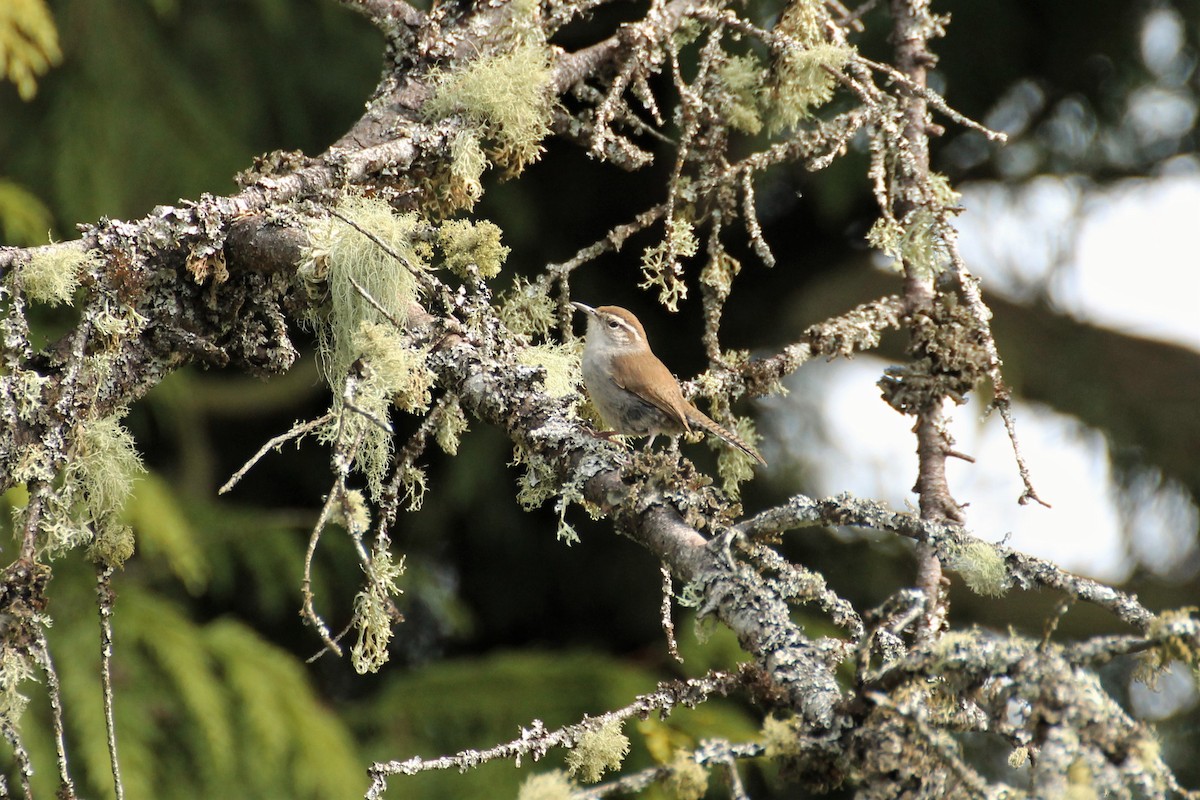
[584, 308]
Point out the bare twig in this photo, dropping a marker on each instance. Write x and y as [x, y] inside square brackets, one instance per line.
[297, 431]
[668, 625]
[105, 600]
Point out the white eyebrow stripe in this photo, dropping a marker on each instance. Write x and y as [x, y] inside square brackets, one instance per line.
[632, 330]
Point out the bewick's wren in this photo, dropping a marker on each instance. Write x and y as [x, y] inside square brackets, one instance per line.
[633, 390]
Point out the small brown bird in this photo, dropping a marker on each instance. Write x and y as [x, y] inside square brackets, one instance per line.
[633, 390]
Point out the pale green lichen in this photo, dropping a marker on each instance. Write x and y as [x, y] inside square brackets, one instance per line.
[981, 567]
[415, 482]
[719, 272]
[781, 737]
[527, 309]
[339, 256]
[105, 465]
[507, 96]
[598, 750]
[371, 617]
[96, 483]
[353, 513]
[52, 275]
[1172, 647]
[802, 75]
[802, 82]
[470, 245]
[467, 163]
[687, 779]
[538, 483]
[660, 263]
[392, 374]
[566, 532]
[402, 372]
[918, 243]
[15, 669]
[113, 544]
[742, 78]
[943, 192]
[118, 321]
[553, 785]
[561, 364]
[451, 425]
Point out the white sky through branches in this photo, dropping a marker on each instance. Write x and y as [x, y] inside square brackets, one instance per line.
[1122, 258]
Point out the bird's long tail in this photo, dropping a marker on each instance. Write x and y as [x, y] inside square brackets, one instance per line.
[701, 420]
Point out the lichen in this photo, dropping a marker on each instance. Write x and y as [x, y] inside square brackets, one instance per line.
[660, 263]
[105, 465]
[527, 309]
[372, 619]
[391, 373]
[560, 363]
[451, 425]
[554, 785]
[596, 751]
[780, 737]
[467, 163]
[687, 779]
[742, 79]
[52, 275]
[733, 464]
[400, 370]
[470, 245]
[506, 96]
[113, 544]
[981, 567]
[1172, 647]
[353, 512]
[340, 256]
[15, 669]
[802, 75]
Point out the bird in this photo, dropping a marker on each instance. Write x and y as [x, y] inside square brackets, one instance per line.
[632, 389]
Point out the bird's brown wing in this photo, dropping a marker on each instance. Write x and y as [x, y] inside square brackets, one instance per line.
[655, 384]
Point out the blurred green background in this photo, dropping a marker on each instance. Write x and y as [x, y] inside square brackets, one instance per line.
[157, 100]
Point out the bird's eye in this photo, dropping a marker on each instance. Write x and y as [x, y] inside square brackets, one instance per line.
[612, 323]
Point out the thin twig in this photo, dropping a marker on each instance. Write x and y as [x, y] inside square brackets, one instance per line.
[21, 757]
[426, 280]
[105, 599]
[297, 431]
[933, 98]
[308, 610]
[969, 286]
[375, 304]
[668, 625]
[54, 691]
